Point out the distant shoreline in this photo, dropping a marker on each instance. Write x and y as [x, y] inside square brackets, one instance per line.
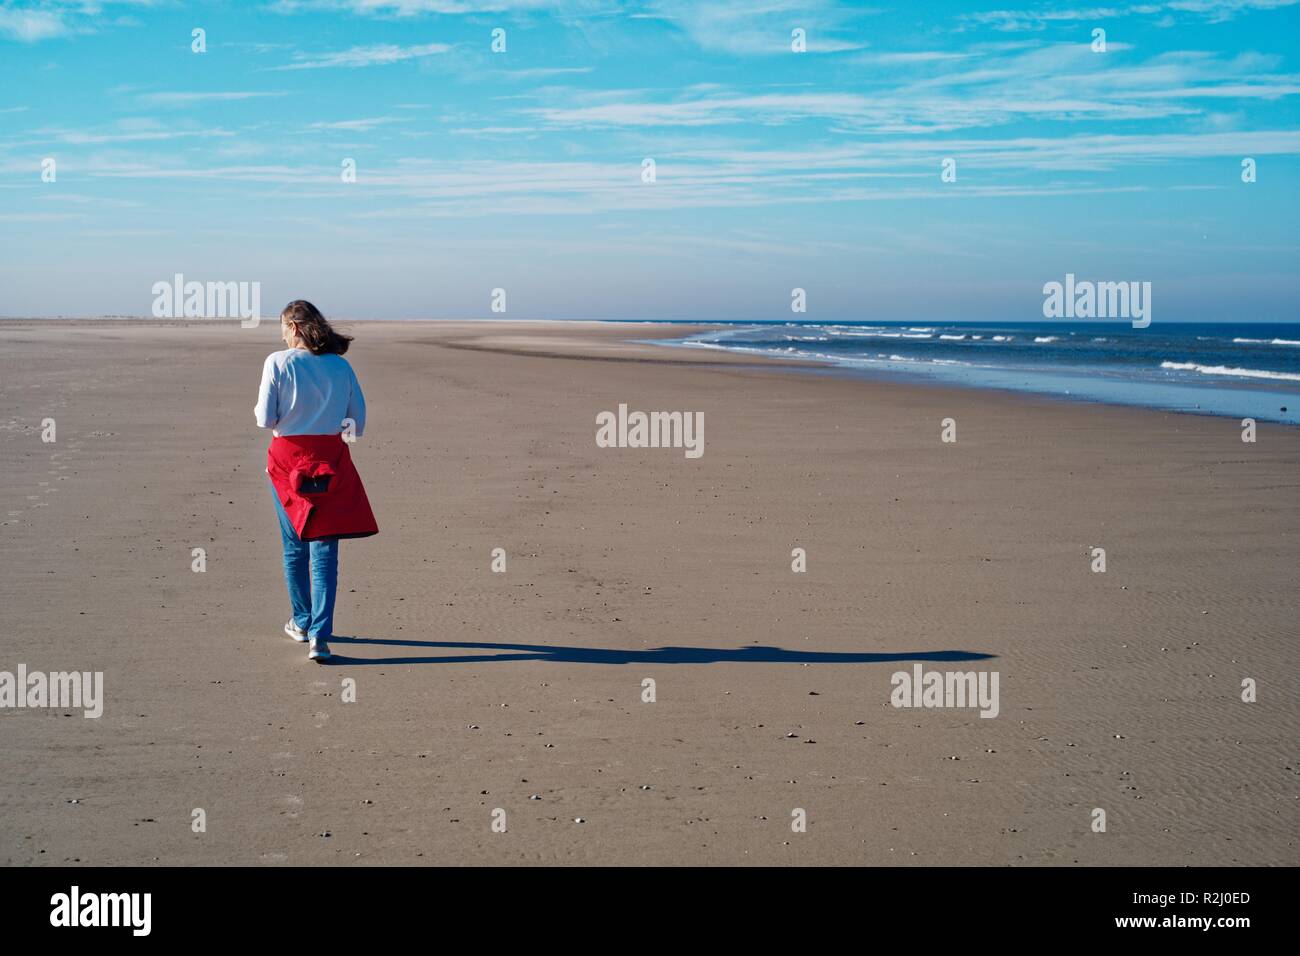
[1227, 388]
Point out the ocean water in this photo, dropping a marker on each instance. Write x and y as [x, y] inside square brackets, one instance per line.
[1237, 370]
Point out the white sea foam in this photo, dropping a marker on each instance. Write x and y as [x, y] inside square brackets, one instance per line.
[1042, 339]
[955, 338]
[882, 335]
[1003, 338]
[1225, 370]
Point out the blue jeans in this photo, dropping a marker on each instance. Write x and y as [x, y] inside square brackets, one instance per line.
[311, 570]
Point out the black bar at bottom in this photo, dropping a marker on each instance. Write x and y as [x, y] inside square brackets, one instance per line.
[332, 905]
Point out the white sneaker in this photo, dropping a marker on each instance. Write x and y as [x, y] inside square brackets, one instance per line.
[319, 650]
[294, 631]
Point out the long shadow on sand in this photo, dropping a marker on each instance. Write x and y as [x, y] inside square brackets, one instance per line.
[652, 655]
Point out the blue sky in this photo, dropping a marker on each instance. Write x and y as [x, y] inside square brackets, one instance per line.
[774, 169]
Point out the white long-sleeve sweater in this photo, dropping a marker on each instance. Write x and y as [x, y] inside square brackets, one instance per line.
[306, 394]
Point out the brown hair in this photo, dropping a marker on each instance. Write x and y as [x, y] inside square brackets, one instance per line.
[316, 333]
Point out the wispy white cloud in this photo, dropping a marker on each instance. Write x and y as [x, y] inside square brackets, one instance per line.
[545, 72]
[1062, 82]
[134, 130]
[39, 216]
[1215, 11]
[356, 125]
[705, 110]
[915, 56]
[901, 169]
[192, 99]
[495, 131]
[764, 27]
[31, 26]
[1220, 10]
[379, 54]
[410, 8]
[54, 19]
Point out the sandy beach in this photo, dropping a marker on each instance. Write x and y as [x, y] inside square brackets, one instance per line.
[522, 691]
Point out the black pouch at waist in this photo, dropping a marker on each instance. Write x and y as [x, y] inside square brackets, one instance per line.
[314, 486]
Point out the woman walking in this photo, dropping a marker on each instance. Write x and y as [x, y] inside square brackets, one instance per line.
[311, 398]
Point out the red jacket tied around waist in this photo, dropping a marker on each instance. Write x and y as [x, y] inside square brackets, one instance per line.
[319, 487]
